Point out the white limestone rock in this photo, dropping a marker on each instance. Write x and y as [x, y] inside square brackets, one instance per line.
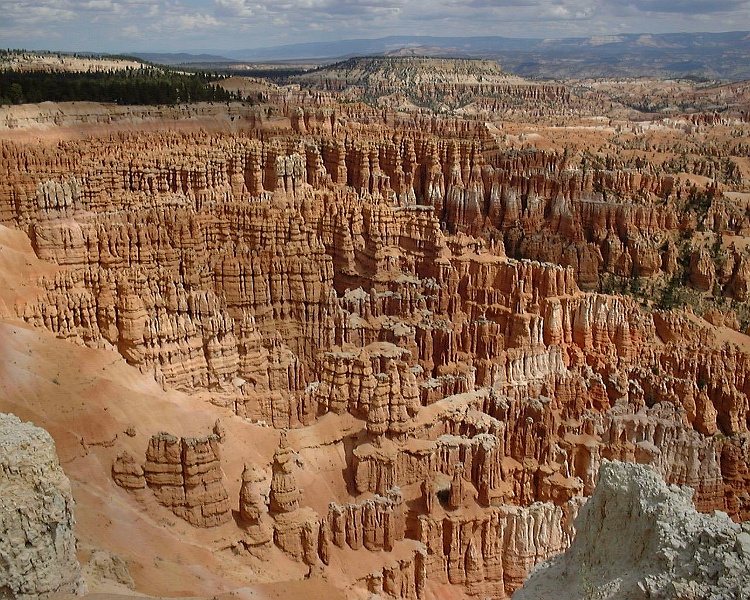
[638, 538]
[37, 543]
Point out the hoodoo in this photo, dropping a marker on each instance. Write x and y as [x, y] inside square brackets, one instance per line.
[397, 326]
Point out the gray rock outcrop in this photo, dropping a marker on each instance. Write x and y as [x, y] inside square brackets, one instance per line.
[37, 543]
[638, 538]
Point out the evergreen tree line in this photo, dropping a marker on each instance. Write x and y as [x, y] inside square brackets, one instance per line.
[132, 86]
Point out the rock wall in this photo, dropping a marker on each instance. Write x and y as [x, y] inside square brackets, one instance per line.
[402, 578]
[184, 474]
[36, 516]
[491, 554]
[376, 523]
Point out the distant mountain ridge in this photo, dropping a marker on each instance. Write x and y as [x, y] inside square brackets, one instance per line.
[705, 55]
[178, 58]
[466, 46]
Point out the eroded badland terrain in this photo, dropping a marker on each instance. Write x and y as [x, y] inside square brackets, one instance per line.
[376, 331]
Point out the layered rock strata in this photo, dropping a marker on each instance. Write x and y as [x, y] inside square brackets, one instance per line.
[491, 553]
[327, 266]
[185, 475]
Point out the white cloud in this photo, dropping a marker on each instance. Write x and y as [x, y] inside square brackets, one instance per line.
[31, 11]
[187, 22]
[238, 8]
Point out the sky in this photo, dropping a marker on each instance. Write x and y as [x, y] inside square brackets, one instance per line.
[198, 25]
